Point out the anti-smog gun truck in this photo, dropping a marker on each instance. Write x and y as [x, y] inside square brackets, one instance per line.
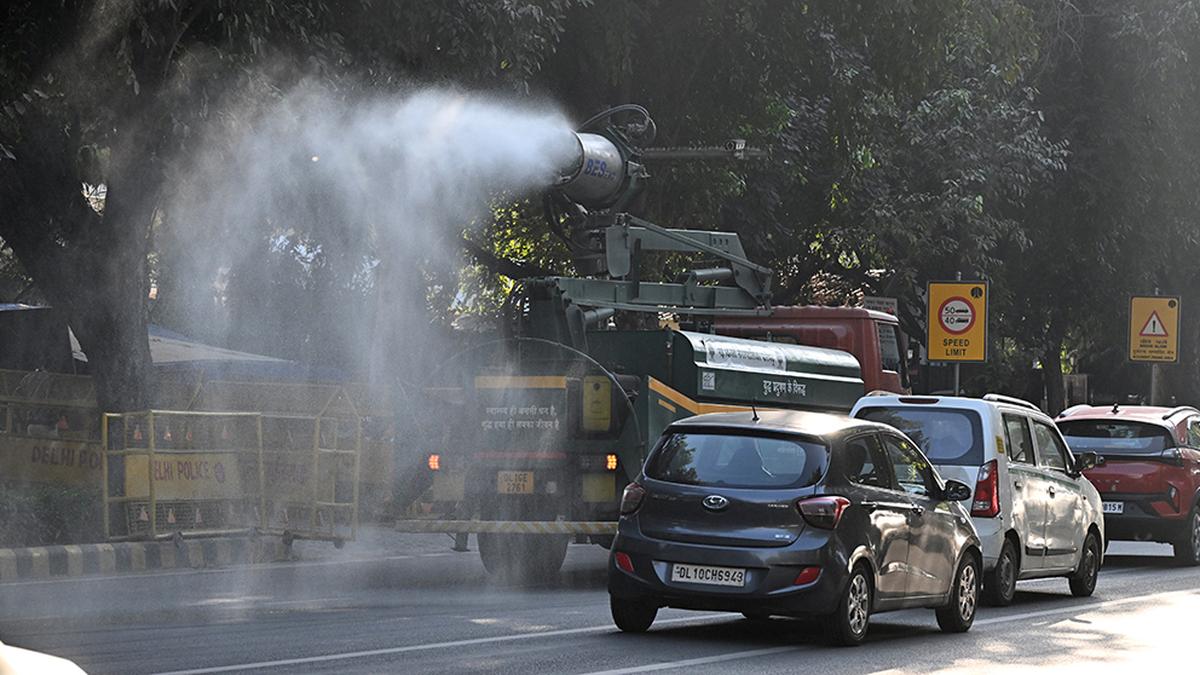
[529, 441]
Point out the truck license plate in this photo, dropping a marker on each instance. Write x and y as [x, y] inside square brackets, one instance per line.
[713, 576]
[1114, 507]
[514, 482]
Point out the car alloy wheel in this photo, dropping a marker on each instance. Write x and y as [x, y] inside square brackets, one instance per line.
[1083, 582]
[967, 598]
[957, 615]
[1187, 543]
[857, 607]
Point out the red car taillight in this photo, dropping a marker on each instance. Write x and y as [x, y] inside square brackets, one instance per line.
[987, 491]
[823, 512]
[632, 498]
[623, 561]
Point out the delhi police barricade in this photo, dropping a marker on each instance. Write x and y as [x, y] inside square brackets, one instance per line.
[312, 444]
[212, 473]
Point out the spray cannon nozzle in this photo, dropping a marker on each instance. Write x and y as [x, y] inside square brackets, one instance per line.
[596, 174]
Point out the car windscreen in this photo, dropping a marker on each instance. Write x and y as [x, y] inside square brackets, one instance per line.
[1113, 437]
[946, 435]
[737, 460]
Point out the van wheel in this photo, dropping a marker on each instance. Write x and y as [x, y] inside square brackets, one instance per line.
[1083, 581]
[1000, 585]
[848, 625]
[1187, 547]
[632, 616]
[958, 614]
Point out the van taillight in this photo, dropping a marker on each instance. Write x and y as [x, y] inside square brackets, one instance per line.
[987, 491]
[823, 512]
[632, 498]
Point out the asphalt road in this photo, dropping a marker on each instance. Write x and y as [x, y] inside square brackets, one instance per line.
[408, 604]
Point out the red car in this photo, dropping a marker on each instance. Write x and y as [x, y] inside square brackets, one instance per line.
[1149, 478]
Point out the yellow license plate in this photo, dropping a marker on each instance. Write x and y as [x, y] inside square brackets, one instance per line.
[514, 482]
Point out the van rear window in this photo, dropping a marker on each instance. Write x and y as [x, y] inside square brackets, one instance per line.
[1108, 437]
[946, 435]
[738, 460]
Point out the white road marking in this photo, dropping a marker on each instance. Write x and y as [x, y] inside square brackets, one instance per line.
[1076, 608]
[325, 658]
[696, 662]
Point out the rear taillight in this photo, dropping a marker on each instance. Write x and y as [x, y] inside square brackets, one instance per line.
[632, 498]
[623, 561]
[986, 503]
[823, 512]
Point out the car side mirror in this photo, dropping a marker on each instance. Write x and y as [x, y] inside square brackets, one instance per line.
[956, 491]
[1087, 460]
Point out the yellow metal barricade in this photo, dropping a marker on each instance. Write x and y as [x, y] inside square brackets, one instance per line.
[194, 473]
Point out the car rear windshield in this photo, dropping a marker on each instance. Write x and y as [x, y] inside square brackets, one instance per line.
[947, 435]
[738, 460]
[1111, 437]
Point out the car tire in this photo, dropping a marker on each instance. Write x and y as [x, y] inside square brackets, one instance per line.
[1083, 581]
[1187, 547]
[1000, 585]
[848, 625]
[632, 616]
[958, 614]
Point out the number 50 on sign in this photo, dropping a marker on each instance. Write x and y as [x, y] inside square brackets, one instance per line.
[956, 316]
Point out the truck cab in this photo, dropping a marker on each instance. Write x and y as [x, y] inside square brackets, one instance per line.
[874, 338]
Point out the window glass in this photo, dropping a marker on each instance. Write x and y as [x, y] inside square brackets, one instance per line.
[910, 468]
[1051, 453]
[889, 347]
[947, 435]
[865, 463]
[1017, 440]
[738, 460]
[1116, 437]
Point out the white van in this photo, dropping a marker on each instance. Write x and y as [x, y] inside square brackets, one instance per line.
[1035, 513]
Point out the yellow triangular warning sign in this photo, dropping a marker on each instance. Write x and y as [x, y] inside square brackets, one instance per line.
[1154, 327]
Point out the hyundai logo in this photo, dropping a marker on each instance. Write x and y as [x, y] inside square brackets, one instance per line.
[715, 502]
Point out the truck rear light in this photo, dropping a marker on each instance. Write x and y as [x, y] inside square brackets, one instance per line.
[986, 503]
[624, 563]
[807, 576]
[823, 512]
[610, 462]
[434, 462]
[631, 499]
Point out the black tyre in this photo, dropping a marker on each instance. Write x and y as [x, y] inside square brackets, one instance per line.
[522, 557]
[632, 616]
[848, 625]
[1000, 585]
[1083, 581]
[1187, 546]
[958, 614]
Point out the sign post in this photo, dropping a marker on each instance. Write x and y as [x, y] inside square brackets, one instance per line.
[956, 322]
[1154, 333]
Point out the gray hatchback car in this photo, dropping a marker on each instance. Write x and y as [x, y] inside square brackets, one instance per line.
[793, 514]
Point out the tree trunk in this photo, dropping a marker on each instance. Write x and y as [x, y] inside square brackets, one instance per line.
[91, 267]
[1052, 374]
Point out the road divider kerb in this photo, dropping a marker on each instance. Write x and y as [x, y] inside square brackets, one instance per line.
[82, 560]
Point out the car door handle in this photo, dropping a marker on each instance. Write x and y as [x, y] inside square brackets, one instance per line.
[1051, 490]
[918, 510]
[1018, 484]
